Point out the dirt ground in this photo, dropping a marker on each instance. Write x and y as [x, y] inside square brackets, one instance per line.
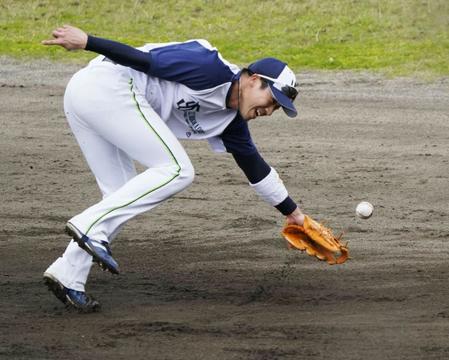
[207, 275]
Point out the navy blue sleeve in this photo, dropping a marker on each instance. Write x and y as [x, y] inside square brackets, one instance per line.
[237, 138]
[237, 141]
[190, 64]
[254, 166]
[120, 53]
[287, 206]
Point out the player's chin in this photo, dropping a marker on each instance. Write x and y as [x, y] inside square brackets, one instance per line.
[249, 115]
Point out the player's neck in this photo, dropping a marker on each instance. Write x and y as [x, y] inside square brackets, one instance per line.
[233, 100]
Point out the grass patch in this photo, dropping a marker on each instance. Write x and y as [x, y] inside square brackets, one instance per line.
[399, 37]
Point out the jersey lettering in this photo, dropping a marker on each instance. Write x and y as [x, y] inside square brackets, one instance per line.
[189, 109]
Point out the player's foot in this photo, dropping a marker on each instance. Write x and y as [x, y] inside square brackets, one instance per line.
[100, 251]
[71, 298]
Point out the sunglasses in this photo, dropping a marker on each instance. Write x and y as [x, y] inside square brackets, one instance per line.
[289, 91]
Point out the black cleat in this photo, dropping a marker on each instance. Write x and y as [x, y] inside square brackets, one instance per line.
[100, 251]
[71, 298]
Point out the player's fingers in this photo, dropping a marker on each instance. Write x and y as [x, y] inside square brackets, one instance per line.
[67, 27]
[48, 42]
[52, 42]
[57, 33]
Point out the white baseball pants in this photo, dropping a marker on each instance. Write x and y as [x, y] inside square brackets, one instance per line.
[114, 125]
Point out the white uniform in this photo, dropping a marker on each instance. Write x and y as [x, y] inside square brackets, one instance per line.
[119, 115]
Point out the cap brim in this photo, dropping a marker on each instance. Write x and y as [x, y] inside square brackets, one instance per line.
[284, 101]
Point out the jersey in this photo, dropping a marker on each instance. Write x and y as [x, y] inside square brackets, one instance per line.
[188, 86]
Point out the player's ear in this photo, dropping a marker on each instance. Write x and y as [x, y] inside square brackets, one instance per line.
[254, 80]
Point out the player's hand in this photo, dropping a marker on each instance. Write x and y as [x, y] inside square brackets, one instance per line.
[296, 217]
[69, 37]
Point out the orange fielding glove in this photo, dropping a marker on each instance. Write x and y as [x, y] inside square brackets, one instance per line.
[316, 240]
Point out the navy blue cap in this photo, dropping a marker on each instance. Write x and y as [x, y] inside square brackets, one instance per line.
[281, 79]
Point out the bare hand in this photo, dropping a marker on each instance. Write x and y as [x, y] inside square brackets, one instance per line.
[69, 37]
[296, 217]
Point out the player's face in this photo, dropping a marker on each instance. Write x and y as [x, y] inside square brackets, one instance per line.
[256, 101]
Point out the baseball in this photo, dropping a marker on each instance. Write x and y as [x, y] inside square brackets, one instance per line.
[364, 210]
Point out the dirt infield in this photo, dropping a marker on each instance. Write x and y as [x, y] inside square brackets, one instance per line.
[206, 275]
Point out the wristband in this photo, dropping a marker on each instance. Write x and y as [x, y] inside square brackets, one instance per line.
[271, 188]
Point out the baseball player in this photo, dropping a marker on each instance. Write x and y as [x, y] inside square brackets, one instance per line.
[133, 104]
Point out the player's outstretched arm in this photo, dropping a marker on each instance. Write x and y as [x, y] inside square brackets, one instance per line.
[268, 185]
[261, 176]
[72, 38]
[69, 37]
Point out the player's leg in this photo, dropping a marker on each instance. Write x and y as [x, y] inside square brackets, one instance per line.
[123, 117]
[112, 168]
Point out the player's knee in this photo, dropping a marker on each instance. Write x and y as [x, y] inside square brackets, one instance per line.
[187, 173]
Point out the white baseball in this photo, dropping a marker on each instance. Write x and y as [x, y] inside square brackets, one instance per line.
[364, 210]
